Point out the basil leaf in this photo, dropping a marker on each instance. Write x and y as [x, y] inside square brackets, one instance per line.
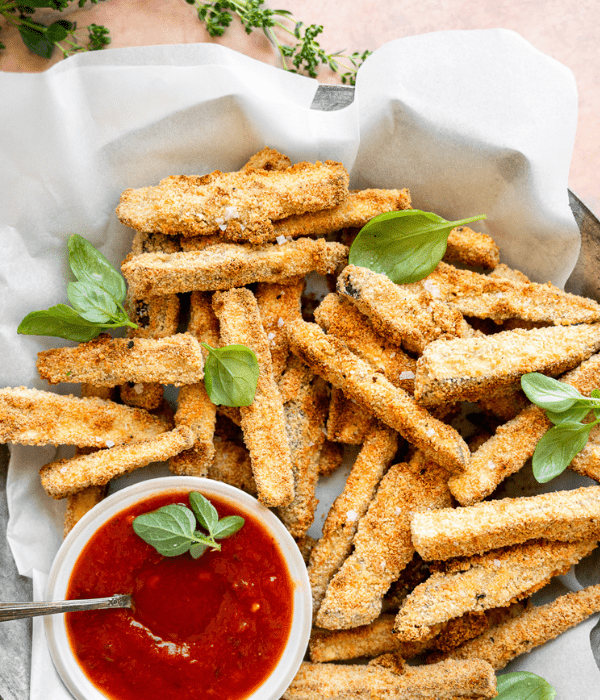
[36, 41]
[575, 414]
[198, 549]
[204, 510]
[89, 265]
[231, 375]
[404, 245]
[60, 321]
[228, 526]
[523, 685]
[556, 449]
[92, 303]
[595, 393]
[549, 393]
[56, 32]
[170, 529]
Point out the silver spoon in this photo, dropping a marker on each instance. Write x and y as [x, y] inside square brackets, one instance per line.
[14, 611]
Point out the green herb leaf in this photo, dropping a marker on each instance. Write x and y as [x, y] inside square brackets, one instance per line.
[549, 393]
[92, 303]
[404, 245]
[231, 375]
[89, 265]
[60, 321]
[170, 529]
[36, 41]
[56, 32]
[204, 510]
[556, 449]
[575, 414]
[522, 685]
[198, 549]
[227, 526]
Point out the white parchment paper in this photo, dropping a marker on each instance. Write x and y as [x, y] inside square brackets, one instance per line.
[472, 122]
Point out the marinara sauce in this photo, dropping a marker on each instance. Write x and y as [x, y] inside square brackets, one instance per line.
[211, 628]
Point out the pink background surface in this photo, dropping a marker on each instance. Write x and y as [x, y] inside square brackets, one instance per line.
[564, 29]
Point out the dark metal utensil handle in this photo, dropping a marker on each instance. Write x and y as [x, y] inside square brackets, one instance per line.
[14, 611]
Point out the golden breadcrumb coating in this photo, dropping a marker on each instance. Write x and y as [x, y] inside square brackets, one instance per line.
[587, 462]
[244, 202]
[263, 422]
[339, 527]
[107, 361]
[444, 681]
[347, 422]
[228, 265]
[231, 464]
[33, 417]
[467, 368]
[472, 248]
[567, 516]
[486, 581]
[330, 358]
[142, 395]
[331, 457]
[502, 271]
[156, 316]
[78, 504]
[504, 403]
[67, 476]
[382, 544]
[144, 242]
[266, 159]
[407, 315]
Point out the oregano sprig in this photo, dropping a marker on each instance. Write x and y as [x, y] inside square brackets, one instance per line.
[172, 529]
[567, 409]
[522, 685]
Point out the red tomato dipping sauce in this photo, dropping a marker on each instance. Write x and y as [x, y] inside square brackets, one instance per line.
[211, 628]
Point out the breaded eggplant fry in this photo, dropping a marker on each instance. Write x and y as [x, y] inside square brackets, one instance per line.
[33, 417]
[501, 299]
[232, 413]
[197, 243]
[505, 272]
[78, 504]
[107, 393]
[278, 304]
[472, 248]
[382, 544]
[331, 457]
[534, 627]
[305, 400]
[444, 681]
[514, 443]
[504, 403]
[406, 314]
[346, 422]
[359, 207]
[148, 396]
[566, 516]
[266, 159]
[231, 464]
[467, 368]
[241, 203]
[393, 661]
[228, 265]
[330, 358]
[144, 242]
[337, 316]
[414, 573]
[263, 422]
[342, 520]
[156, 316]
[491, 580]
[67, 476]
[107, 361]
[587, 462]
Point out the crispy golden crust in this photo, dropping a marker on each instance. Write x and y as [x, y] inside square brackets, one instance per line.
[330, 358]
[331, 457]
[502, 271]
[382, 544]
[504, 403]
[32, 417]
[144, 242]
[443, 681]
[501, 299]
[231, 464]
[227, 265]
[338, 316]
[101, 392]
[67, 476]
[487, 581]
[263, 422]
[108, 361]
[467, 368]
[244, 202]
[587, 462]
[358, 208]
[567, 516]
[156, 316]
[278, 304]
[406, 314]
[342, 520]
[346, 422]
[535, 626]
[78, 504]
[414, 573]
[266, 159]
[141, 395]
[471, 248]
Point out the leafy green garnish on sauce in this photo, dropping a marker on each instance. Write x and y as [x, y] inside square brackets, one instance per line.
[404, 245]
[523, 685]
[171, 530]
[566, 408]
[230, 375]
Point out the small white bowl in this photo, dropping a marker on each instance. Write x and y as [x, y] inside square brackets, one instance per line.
[56, 634]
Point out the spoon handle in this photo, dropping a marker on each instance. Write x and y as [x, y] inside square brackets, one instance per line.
[14, 611]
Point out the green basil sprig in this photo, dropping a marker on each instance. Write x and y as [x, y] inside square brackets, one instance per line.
[522, 685]
[404, 245]
[96, 297]
[566, 408]
[230, 375]
[171, 530]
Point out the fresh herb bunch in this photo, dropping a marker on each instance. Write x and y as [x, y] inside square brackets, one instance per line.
[522, 685]
[171, 530]
[567, 409]
[42, 39]
[404, 245]
[304, 54]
